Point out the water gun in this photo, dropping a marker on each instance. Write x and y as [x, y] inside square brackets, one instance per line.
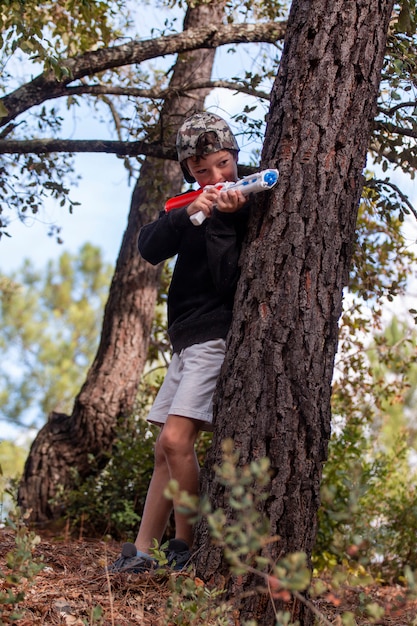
[254, 183]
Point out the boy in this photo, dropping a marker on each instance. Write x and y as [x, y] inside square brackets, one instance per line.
[200, 302]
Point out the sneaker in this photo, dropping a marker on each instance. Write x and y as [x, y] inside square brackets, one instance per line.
[178, 554]
[130, 562]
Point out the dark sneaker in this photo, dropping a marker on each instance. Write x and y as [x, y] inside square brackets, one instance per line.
[130, 562]
[178, 554]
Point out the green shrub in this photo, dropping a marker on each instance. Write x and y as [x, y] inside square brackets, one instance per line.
[22, 569]
[110, 501]
[368, 514]
[242, 537]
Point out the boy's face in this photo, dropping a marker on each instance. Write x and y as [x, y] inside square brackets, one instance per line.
[218, 167]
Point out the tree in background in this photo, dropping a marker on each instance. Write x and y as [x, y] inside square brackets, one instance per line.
[109, 391]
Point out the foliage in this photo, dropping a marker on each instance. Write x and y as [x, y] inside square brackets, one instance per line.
[49, 322]
[38, 37]
[267, 9]
[23, 185]
[33, 38]
[49, 31]
[192, 602]
[244, 540]
[367, 478]
[22, 571]
[382, 258]
[12, 460]
[393, 142]
[245, 543]
[110, 500]
[367, 516]
[392, 358]
[50, 319]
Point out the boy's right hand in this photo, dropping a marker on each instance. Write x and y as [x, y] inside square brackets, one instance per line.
[204, 202]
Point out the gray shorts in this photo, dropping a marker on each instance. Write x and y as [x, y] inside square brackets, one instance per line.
[189, 384]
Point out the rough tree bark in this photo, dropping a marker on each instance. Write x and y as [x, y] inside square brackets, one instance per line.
[274, 392]
[110, 389]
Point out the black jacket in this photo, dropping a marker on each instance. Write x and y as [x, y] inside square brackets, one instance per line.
[203, 285]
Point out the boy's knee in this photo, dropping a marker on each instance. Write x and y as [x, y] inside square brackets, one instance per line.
[169, 441]
[173, 443]
[160, 451]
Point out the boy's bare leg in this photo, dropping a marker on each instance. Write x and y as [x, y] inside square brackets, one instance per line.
[177, 439]
[157, 507]
[175, 458]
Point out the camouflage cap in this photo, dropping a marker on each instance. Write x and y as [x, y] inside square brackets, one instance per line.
[188, 136]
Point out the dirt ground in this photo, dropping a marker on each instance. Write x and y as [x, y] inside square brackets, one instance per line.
[73, 582]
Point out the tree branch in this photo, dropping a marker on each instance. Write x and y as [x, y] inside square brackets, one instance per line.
[121, 148]
[401, 105]
[47, 86]
[161, 94]
[374, 183]
[395, 129]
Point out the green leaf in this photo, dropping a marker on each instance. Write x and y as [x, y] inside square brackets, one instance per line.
[3, 111]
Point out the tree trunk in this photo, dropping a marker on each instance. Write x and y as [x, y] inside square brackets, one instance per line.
[273, 396]
[108, 394]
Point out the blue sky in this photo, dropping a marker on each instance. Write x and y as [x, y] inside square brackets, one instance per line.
[100, 218]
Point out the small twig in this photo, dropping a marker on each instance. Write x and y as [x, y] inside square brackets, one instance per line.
[395, 108]
[109, 589]
[374, 182]
[311, 607]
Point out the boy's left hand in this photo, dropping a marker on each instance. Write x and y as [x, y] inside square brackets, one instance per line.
[230, 200]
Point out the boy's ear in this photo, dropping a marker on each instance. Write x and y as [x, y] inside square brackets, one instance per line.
[187, 175]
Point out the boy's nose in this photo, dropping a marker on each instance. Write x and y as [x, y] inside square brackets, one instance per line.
[217, 176]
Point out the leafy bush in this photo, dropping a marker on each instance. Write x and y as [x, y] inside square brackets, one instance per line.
[368, 515]
[110, 501]
[242, 540]
[22, 569]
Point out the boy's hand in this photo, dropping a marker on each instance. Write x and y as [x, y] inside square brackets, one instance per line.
[204, 202]
[228, 201]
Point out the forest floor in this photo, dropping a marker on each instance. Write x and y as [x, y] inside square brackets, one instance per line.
[73, 583]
